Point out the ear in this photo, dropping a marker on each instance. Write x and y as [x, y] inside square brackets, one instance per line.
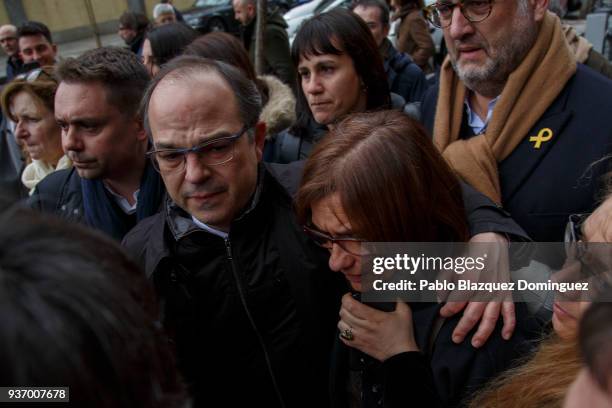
[54, 48]
[540, 7]
[139, 130]
[260, 139]
[386, 30]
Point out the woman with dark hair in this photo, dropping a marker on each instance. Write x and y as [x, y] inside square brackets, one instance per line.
[165, 42]
[340, 71]
[77, 313]
[413, 36]
[377, 177]
[278, 102]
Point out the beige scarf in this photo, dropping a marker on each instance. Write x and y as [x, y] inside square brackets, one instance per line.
[529, 91]
[38, 170]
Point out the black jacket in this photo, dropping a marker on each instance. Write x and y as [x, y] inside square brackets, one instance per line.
[542, 187]
[277, 57]
[61, 193]
[442, 375]
[405, 78]
[260, 306]
[253, 316]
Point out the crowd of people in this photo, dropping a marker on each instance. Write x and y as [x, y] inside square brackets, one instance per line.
[173, 220]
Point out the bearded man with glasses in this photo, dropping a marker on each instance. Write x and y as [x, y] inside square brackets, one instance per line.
[515, 115]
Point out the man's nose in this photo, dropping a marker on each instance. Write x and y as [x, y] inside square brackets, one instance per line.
[71, 140]
[196, 172]
[459, 26]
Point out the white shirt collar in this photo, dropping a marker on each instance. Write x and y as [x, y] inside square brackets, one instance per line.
[474, 121]
[122, 202]
[212, 230]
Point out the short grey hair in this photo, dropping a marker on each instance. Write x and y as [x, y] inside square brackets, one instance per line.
[187, 69]
[162, 9]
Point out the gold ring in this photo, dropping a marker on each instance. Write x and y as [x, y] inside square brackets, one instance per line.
[347, 334]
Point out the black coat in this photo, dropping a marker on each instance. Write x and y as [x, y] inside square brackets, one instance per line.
[405, 78]
[252, 316]
[261, 304]
[443, 374]
[61, 193]
[542, 187]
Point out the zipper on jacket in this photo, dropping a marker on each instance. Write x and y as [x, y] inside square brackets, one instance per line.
[228, 248]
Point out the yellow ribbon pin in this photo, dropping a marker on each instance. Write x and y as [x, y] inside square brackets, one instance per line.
[544, 135]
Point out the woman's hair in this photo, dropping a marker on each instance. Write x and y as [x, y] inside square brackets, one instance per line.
[227, 48]
[169, 40]
[40, 84]
[76, 312]
[595, 336]
[411, 4]
[541, 381]
[337, 32]
[392, 182]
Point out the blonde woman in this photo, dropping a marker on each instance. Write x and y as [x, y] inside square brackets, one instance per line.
[28, 101]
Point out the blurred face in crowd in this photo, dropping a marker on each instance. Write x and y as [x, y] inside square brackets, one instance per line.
[214, 194]
[36, 128]
[585, 391]
[372, 17]
[244, 11]
[36, 48]
[566, 316]
[127, 34]
[485, 53]
[148, 59]
[165, 18]
[331, 86]
[329, 217]
[101, 140]
[8, 40]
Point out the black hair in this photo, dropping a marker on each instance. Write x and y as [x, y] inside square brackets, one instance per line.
[336, 32]
[169, 40]
[117, 69]
[77, 313]
[30, 28]
[380, 4]
[134, 21]
[186, 69]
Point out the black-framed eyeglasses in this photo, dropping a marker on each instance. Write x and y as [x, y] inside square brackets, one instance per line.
[211, 153]
[440, 14]
[573, 233]
[352, 245]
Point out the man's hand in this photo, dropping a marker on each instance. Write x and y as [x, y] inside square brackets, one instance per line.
[486, 313]
[378, 334]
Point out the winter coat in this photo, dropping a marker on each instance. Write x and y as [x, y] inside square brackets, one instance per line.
[405, 78]
[441, 374]
[277, 58]
[542, 186]
[279, 112]
[252, 316]
[414, 39]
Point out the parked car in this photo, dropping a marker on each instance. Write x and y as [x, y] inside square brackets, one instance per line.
[296, 16]
[218, 15]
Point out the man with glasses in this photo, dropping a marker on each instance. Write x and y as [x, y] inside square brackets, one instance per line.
[246, 296]
[10, 45]
[111, 185]
[515, 115]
